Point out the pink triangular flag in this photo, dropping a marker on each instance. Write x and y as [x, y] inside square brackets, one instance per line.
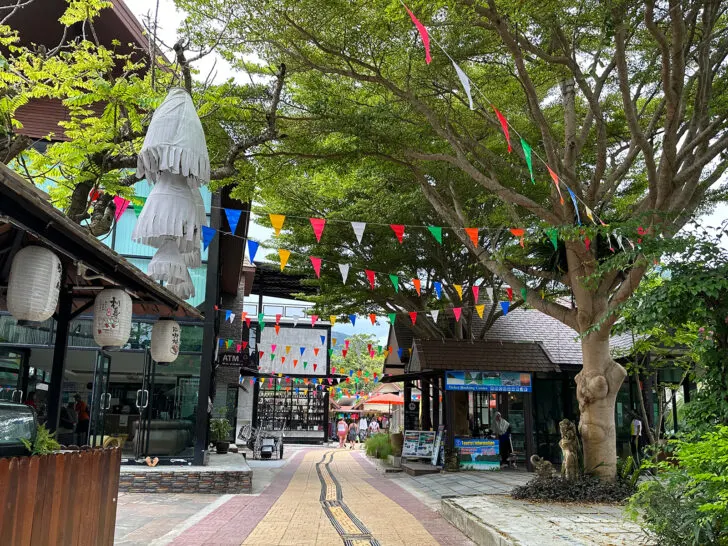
[476, 293]
[278, 318]
[273, 348]
[314, 318]
[423, 34]
[316, 262]
[457, 311]
[398, 231]
[121, 206]
[318, 227]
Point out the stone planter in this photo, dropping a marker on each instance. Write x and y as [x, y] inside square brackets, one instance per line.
[397, 441]
[394, 461]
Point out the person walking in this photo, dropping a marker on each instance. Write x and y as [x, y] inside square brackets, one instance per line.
[341, 429]
[635, 434]
[353, 434]
[363, 428]
[374, 427]
[502, 429]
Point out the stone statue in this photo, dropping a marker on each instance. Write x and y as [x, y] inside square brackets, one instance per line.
[569, 445]
[544, 469]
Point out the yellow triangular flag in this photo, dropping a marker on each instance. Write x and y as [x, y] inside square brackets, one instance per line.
[589, 213]
[459, 290]
[284, 254]
[332, 319]
[480, 309]
[276, 220]
[288, 349]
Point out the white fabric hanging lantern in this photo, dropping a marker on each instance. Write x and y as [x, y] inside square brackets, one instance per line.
[175, 142]
[171, 210]
[112, 318]
[167, 264]
[193, 258]
[166, 335]
[182, 289]
[34, 284]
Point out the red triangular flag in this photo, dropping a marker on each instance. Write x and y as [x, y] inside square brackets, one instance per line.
[587, 242]
[295, 363]
[555, 178]
[370, 275]
[518, 232]
[423, 34]
[373, 318]
[413, 317]
[476, 293]
[504, 126]
[278, 328]
[315, 351]
[260, 354]
[398, 231]
[278, 318]
[509, 291]
[315, 366]
[343, 353]
[245, 344]
[247, 322]
[283, 359]
[316, 262]
[418, 286]
[314, 318]
[473, 234]
[318, 227]
[457, 311]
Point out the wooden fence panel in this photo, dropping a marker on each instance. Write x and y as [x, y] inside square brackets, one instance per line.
[64, 498]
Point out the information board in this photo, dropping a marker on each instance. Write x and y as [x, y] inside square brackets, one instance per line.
[478, 453]
[487, 381]
[418, 443]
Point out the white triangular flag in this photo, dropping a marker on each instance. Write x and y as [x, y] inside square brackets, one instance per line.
[295, 321]
[344, 268]
[358, 229]
[489, 291]
[232, 317]
[434, 314]
[465, 81]
[619, 240]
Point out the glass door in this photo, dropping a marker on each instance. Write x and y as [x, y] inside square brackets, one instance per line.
[142, 437]
[100, 400]
[13, 375]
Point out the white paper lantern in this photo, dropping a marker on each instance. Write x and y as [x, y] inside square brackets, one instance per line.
[171, 210]
[166, 335]
[112, 318]
[175, 142]
[34, 284]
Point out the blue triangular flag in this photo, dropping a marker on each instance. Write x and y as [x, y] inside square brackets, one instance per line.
[505, 305]
[233, 217]
[220, 342]
[351, 372]
[352, 318]
[576, 207]
[252, 249]
[438, 289]
[227, 315]
[399, 352]
[207, 234]
[303, 350]
[323, 340]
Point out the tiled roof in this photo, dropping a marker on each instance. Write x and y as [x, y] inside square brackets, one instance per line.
[451, 354]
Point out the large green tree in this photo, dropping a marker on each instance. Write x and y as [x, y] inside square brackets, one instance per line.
[624, 100]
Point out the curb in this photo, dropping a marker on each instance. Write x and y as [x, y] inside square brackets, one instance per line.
[473, 527]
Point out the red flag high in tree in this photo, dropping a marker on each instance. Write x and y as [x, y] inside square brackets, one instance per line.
[398, 231]
[423, 34]
[318, 227]
[504, 126]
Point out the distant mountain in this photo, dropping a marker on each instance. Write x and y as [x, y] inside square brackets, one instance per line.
[340, 338]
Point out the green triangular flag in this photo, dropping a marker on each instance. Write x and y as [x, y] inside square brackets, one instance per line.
[395, 282]
[379, 350]
[523, 293]
[527, 155]
[272, 357]
[436, 233]
[392, 316]
[138, 205]
[304, 365]
[331, 352]
[553, 234]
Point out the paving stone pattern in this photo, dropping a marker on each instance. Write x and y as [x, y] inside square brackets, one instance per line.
[186, 481]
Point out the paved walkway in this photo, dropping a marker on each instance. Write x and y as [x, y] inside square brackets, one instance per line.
[324, 497]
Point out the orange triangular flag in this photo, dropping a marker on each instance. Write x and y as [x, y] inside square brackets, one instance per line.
[555, 178]
[278, 328]
[418, 286]
[518, 232]
[473, 234]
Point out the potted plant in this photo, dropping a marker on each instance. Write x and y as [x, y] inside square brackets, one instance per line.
[45, 442]
[220, 430]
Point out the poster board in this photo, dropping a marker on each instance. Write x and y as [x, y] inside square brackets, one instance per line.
[478, 453]
[438, 444]
[487, 381]
[418, 444]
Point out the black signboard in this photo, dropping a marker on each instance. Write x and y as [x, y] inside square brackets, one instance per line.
[241, 360]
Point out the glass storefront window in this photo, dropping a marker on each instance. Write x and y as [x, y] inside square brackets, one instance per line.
[37, 334]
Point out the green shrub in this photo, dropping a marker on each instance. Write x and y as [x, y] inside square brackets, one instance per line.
[686, 502]
[45, 443]
[378, 446]
[220, 429]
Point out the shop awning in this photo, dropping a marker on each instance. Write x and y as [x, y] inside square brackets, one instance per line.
[28, 218]
[479, 355]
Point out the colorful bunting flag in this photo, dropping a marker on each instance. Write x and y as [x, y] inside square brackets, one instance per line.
[315, 351]
[323, 340]
[505, 306]
[413, 317]
[473, 234]
[344, 269]
[576, 205]
[273, 348]
[121, 206]
[587, 242]
[314, 318]
[438, 289]
[358, 228]
[233, 218]
[504, 126]
[553, 234]
[465, 82]
[459, 289]
[418, 286]
[252, 249]
[352, 319]
[288, 349]
[476, 293]
[518, 232]
[398, 231]
[434, 314]
[207, 234]
[527, 155]
[395, 282]
[590, 214]
[284, 255]
[247, 322]
[138, 205]
[276, 220]
[509, 291]
[436, 233]
[423, 34]
[392, 318]
[480, 310]
[457, 311]
[277, 328]
[555, 178]
[279, 316]
[227, 315]
[524, 293]
[332, 320]
[318, 227]
[316, 263]
[303, 350]
[373, 318]
[371, 276]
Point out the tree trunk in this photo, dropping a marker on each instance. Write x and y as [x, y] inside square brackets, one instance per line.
[597, 385]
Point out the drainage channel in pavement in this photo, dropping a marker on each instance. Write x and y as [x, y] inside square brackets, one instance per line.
[350, 528]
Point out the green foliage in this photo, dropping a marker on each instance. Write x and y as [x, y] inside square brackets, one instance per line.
[358, 358]
[220, 429]
[378, 446]
[687, 501]
[45, 442]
